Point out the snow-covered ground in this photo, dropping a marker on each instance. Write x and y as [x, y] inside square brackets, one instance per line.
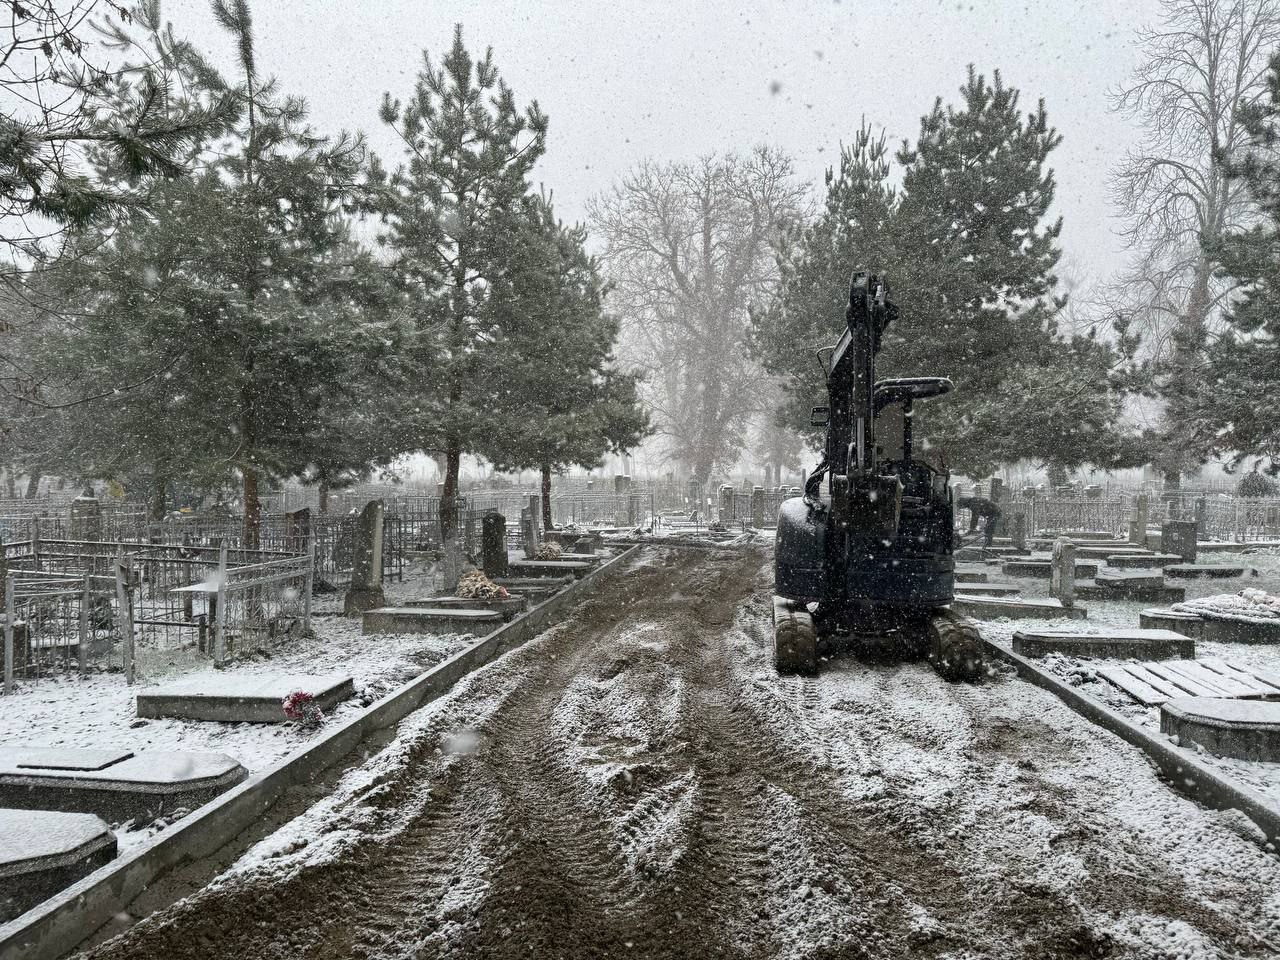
[1082, 671]
[99, 711]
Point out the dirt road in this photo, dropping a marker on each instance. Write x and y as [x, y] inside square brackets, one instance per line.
[638, 783]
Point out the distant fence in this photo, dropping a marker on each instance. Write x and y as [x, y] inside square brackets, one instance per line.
[1242, 519]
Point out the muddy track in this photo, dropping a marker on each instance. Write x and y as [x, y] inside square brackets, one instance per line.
[637, 782]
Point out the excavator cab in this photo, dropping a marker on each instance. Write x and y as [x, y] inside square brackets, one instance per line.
[872, 551]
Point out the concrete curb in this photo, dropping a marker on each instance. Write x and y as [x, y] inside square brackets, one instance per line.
[59, 924]
[1181, 768]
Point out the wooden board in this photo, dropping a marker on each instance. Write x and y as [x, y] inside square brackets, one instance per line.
[1152, 684]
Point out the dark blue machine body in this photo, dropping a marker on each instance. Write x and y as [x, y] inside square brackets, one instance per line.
[899, 575]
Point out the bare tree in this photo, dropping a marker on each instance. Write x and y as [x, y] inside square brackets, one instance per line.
[1204, 65]
[689, 248]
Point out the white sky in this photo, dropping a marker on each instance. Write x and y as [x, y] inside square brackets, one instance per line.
[630, 79]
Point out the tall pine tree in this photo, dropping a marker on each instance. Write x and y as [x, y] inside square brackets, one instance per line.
[448, 209]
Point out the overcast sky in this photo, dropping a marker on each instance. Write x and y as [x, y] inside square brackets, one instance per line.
[628, 79]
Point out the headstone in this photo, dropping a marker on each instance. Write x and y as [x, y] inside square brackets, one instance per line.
[1062, 572]
[726, 503]
[757, 507]
[1179, 537]
[1138, 522]
[1202, 510]
[451, 558]
[528, 533]
[1093, 491]
[366, 569]
[1028, 493]
[693, 491]
[1018, 530]
[298, 526]
[621, 484]
[86, 517]
[493, 545]
[997, 489]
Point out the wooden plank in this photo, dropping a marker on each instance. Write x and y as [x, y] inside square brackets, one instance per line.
[1189, 688]
[1266, 676]
[1257, 685]
[1140, 672]
[1145, 694]
[1198, 673]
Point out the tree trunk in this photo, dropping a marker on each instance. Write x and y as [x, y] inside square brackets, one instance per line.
[324, 496]
[159, 497]
[252, 509]
[33, 485]
[10, 485]
[546, 497]
[449, 495]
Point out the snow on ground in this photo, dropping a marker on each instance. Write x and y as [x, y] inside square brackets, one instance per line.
[98, 710]
[1081, 672]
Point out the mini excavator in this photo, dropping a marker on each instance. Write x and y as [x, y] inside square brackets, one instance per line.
[870, 559]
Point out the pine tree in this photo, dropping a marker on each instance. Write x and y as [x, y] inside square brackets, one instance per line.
[1231, 409]
[564, 402]
[468, 152]
[231, 304]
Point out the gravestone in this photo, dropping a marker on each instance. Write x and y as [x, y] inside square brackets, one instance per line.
[528, 533]
[493, 545]
[1179, 537]
[1138, 522]
[298, 526]
[621, 484]
[451, 558]
[1202, 510]
[1018, 530]
[694, 493]
[1062, 572]
[1093, 491]
[365, 592]
[757, 507]
[86, 516]
[726, 503]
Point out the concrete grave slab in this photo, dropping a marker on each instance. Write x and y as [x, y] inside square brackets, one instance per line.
[1141, 561]
[1188, 624]
[44, 851]
[1106, 551]
[550, 568]
[1185, 571]
[1041, 569]
[240, 696]
[991, 608]
[971, 573]
[133, 786]
[1244, 729]
[988, 589]
[1109, 644]
[430, 620]
[509, 607]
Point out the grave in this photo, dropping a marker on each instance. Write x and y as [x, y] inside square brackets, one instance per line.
[430, 620]
[115, 784]
[550, 568]
[1186, 571]
[1041, 569]
[1244, 729]
[988, 589]
[1141, 585]
[970, 573]
[536, 589]
[1107, 551]
[1189, 624]
[235, 697]
[1152, 684]
[365, 591]
[509, 607]
[991, 608]
[46, 851]
[1141, 561]
[1107, 644]
[1179, 537]
[493, 545]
